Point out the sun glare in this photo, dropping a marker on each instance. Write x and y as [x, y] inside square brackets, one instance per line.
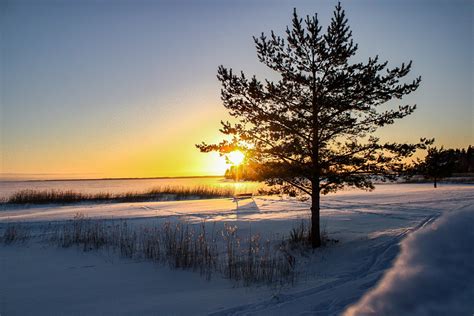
[236, 157]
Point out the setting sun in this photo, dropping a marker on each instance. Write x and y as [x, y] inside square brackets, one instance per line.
[236, 157]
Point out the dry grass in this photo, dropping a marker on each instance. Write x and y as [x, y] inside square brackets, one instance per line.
[183, 246]
[14, 233]
[156, 194]
[300, 236]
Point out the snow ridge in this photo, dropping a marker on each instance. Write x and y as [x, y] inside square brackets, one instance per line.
[433, 275]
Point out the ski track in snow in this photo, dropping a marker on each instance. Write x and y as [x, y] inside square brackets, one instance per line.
[381, 258]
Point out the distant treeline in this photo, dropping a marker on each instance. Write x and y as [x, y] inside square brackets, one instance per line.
[246, 172]
[452, 161]
[462, 160]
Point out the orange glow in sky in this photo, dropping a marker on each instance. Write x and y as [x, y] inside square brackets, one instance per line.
[130, 92]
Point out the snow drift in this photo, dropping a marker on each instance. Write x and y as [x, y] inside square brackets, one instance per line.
[433, 275]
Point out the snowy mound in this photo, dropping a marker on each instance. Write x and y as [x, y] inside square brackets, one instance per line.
[433, 275]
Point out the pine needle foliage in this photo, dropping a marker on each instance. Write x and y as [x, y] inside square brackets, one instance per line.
[313, 128]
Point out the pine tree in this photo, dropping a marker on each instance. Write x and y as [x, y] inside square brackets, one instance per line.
[438, 164]
[313, 128]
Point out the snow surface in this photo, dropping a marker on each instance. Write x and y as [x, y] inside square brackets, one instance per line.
[42, 280]
[433, 275]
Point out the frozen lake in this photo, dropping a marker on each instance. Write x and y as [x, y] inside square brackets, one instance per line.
[122, 185]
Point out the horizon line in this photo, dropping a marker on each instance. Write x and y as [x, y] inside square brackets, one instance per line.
[108, 178]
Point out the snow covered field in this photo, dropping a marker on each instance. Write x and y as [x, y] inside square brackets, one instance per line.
[433, 273]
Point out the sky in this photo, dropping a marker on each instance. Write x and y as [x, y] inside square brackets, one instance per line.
[103, 88]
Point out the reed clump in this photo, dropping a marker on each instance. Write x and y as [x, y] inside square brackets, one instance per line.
[14, 233]
[300, 236]
[180, 245]
[155, 194]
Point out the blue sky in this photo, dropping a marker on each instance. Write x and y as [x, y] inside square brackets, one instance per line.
[126, 88]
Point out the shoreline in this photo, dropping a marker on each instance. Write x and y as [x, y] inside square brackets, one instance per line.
[108, 179]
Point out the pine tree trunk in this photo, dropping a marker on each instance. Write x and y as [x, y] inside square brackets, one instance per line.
[315, 207]
[315, 191]
[435, 183]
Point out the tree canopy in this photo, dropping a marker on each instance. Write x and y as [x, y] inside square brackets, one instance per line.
[313, 128]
